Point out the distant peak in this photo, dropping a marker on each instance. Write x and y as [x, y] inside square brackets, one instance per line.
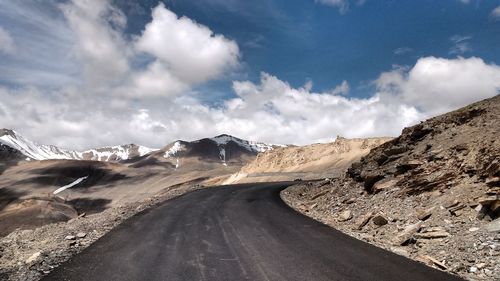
[4, 132]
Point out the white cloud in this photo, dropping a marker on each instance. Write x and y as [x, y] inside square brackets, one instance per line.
[98, 44]
[6, 42]
[108, 113]
[270, 110]
[436, 85]
[342, 89]
[495, 14]
[191, 50]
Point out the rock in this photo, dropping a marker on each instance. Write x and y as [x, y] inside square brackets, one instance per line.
[33, 257]
[384, 184]
[407, 233]
[70, 237]
[361, 222]
[379, 220]
[473, 269]
[481, 265]
[345, 215]
[451, 204]
[400, 251]
[350, 200]
[425, 214]
[493, 181]
[493, 226]
[454, 210]
[473, 229]
[81, 235]
[435, 262]
[432, 235]
[322, 193]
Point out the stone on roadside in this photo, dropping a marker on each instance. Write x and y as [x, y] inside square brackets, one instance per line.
[432, 235]
[361, 222]
[407, 233]
[345, 215]
[70, 237]
[379, 220]
[425, 214]
[33, 257]
[493, 226]
[81, 235]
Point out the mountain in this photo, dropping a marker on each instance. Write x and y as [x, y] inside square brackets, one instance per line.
[34, 151]
[310, 161]
[222, 149]
[431, 194]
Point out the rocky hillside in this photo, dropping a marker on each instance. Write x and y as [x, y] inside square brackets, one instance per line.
[308, 162]
[432, 194]
[222, 150]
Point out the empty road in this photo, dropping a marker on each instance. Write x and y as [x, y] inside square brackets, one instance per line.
[234, 233]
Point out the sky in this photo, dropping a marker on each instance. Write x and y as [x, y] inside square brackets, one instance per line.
[89, 73]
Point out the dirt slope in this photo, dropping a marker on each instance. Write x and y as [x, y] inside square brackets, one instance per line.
[431, 194]
[307, 162]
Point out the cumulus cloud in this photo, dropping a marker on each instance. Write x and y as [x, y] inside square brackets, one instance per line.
[191, 50]
[6, 42]
[270, 110]
[150, 103]
[436, 85]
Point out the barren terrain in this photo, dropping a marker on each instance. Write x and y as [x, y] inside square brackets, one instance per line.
[431, 194]
[314, 161]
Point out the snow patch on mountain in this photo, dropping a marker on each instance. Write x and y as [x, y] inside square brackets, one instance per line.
[45, 152]
[253, 146]
[176, 147]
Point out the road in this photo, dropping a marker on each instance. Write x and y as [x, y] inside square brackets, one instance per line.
[234, 233]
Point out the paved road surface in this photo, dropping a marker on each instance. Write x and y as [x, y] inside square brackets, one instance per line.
[234, 233]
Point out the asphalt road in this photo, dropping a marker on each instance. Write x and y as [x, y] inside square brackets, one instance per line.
[234, 233]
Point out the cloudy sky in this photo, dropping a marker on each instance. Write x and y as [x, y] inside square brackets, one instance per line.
[89, 73]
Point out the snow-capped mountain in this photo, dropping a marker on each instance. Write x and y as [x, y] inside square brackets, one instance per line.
[36, 151]
[222, 148]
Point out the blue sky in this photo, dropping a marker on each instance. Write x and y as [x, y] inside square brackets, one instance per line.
[298, 40]
[280, 71]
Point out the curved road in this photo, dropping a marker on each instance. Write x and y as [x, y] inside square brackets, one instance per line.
[242, 232]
